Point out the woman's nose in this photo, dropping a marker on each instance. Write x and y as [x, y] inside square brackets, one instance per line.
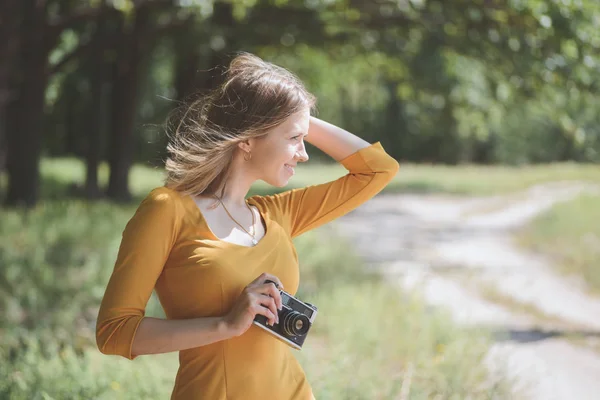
[301, 154]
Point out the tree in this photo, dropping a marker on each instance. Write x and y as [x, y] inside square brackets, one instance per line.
[38, 34]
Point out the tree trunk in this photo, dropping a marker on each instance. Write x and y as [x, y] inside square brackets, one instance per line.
[449, 150]
[396, 126]
[187, 62]
[126, 76]
[94, 138]
[71, 115]
[25, 110]
[99, 86]
[222, 23]
[10, 15]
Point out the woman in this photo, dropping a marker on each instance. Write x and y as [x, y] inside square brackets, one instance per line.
[207, 250]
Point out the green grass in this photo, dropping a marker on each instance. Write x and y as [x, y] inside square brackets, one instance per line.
[373, 341]
[41, 373]
[59, 173]
[487, 180]
[375, 333]
[569, 234]
[370, 341]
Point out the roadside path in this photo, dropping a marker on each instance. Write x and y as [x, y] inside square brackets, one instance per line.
[459, 253]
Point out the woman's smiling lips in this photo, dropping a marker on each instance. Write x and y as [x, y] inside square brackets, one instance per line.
[290, 169]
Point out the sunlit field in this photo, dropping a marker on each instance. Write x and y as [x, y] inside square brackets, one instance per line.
[54, 273]
[476, 180]
[57, 259]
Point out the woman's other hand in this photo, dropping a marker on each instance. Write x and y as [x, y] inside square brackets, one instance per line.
[258, 298]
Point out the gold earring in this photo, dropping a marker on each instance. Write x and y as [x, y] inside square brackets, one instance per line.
[249, 156]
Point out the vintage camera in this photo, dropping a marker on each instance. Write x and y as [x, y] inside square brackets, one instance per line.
[295, 319]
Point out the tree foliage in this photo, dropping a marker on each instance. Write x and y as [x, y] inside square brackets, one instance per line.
[510, 81]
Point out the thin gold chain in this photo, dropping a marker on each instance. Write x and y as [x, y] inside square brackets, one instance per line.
[252, 235]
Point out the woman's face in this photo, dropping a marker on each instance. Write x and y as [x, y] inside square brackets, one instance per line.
[274, 156]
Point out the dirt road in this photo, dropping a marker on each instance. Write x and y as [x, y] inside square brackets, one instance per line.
[459, 252]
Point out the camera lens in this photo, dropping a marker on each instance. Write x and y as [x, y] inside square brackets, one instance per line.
[296, 324]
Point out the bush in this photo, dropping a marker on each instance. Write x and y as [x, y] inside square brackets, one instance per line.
[43, 370]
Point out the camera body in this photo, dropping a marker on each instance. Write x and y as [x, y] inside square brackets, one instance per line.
[295, 320]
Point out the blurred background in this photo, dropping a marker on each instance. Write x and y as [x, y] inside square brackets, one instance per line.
[490, 106]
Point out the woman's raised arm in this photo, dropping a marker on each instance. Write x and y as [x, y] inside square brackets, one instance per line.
[369, 167]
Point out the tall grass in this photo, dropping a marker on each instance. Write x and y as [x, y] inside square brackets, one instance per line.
[373, 341]
[370, 341]
[570, 235]
[57, 259]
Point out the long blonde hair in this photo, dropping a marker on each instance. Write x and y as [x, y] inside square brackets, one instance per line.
[255, 97]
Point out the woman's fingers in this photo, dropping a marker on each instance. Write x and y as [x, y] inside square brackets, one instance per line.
[270, 290]
[269, 302]
[260, 285]
[268, 277]
[266, 307]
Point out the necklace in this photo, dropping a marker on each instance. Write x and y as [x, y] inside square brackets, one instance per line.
[252, 235]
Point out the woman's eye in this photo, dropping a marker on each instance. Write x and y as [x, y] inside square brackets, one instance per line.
[296, 137]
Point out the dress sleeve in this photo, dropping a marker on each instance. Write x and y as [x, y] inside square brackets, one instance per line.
[145, 246]
[370, 169]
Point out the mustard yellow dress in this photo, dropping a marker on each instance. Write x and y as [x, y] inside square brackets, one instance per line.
[168, 246]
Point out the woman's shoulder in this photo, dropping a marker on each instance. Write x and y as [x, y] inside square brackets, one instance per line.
[163, 193]
[162, 198]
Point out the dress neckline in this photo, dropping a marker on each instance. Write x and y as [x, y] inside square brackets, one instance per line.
[264, 220]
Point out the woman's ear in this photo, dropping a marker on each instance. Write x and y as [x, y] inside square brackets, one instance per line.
[245, 145]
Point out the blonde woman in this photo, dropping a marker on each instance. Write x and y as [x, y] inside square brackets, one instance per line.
[208, 250]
